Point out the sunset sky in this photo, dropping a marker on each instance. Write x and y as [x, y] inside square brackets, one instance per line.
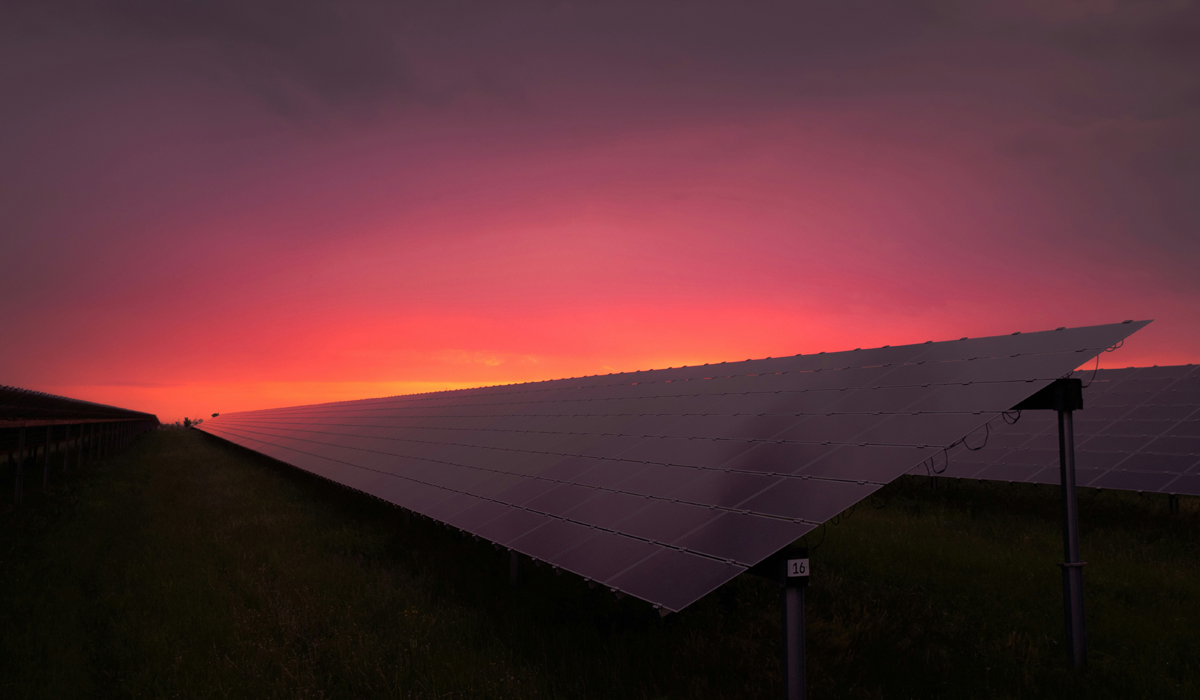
[216, 206]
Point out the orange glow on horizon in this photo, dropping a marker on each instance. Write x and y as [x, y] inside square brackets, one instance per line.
[463, 369]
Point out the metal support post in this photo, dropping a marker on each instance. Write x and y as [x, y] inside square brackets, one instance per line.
[1066, 396]
[20, 465]
[793, 579]
[1173, 503]
[66, 448]
[1072, 567]
[46, 462]
[514, 568]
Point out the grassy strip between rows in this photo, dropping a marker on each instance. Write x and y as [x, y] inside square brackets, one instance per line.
[187, 567]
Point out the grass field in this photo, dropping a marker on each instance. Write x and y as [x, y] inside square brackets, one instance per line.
[190, 568]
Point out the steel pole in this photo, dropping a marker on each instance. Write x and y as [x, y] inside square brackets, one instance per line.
[66, 448]
[514, 568]
[795, 686]
[1072, 567]
[20, 465]
[46, 462]
[792, 569]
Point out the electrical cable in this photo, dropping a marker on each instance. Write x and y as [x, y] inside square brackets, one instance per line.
[987, 434]
[1112, 348]
[1095, 370]
[818, 545]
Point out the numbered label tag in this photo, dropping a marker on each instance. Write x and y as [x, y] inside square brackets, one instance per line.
[797, 568]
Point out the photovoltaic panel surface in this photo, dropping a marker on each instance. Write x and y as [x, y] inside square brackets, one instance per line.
[664, 484]
[1139, 430]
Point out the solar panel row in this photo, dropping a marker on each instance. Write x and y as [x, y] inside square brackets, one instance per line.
[664, 484]
[25, 407]
[1139, 430]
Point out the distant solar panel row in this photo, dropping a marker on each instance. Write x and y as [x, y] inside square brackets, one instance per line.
[1139, 430]
[25, 407]
[665, 484]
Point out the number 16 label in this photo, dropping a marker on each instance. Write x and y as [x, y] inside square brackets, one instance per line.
[797, 568]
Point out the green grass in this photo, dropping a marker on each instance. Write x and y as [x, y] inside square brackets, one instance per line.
[189, 568]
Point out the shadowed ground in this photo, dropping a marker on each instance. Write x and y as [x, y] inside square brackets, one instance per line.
[190, 568]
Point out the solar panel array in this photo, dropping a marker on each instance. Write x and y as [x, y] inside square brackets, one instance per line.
[23, 406]
[1139, 430]
[665, 484]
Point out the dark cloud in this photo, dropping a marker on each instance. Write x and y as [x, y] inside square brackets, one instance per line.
[1062, 87]
[318, 57]
[295, 55]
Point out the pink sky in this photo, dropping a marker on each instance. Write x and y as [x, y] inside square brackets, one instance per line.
[241, 207]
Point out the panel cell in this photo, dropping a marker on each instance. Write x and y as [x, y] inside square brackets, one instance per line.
[562, 498]
[508, 527]
[809, 500]
[675, 579]
[606, 509]
[665, 522]
[552, 538]
[603, 556]
[744, 539]
[723, 489]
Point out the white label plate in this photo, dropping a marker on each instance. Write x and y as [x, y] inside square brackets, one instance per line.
[797, 568]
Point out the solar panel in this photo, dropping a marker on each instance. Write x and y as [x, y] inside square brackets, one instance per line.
[1139, 430]
[664, 484]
